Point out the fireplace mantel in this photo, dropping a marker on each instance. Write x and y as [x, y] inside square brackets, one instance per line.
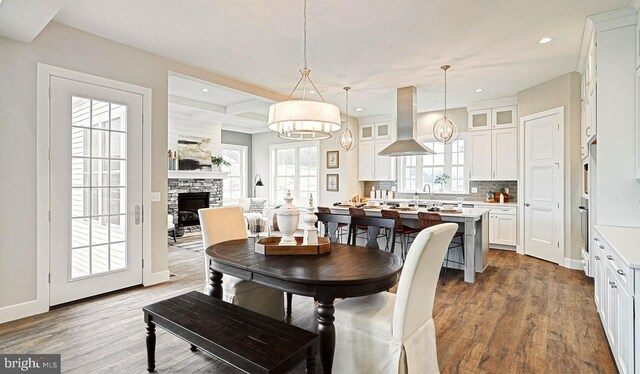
[184, 174]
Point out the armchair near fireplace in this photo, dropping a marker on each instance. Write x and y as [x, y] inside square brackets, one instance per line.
[255, 212]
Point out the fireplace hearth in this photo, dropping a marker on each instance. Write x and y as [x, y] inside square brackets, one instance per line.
[179, 186]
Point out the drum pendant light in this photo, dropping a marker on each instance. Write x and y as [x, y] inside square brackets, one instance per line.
[304, 119]
[346, 140]
[445, 130]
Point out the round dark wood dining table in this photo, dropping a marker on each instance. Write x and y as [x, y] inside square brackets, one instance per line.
[347, 271]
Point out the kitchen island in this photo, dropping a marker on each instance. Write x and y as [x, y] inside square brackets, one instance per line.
[473, 222]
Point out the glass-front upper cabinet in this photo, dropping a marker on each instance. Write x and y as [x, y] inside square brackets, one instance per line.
[366, 132]
[383, 130]
[504, 117]
[480, 120]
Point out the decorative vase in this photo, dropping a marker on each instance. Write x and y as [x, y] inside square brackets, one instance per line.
[310, 219]
[288, 218]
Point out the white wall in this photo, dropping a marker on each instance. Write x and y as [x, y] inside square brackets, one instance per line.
[427, 119]
[563, 91]
[72, 49]
[348, 171]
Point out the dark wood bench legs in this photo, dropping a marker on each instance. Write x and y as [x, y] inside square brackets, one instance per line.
[289, 300]
[151, 345]
[311, 361]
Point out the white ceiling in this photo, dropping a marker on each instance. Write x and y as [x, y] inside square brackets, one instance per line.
[235, 110]
[373, 46]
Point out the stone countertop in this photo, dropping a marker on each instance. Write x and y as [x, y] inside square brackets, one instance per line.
[625, 240]
[453, 202]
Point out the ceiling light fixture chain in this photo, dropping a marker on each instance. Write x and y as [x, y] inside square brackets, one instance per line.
[304, 119]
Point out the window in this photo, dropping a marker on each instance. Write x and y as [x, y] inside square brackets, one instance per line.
[416, 171]
[234, 185]
[294, 167]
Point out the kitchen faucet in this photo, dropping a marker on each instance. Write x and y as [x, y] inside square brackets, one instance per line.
[424, 189]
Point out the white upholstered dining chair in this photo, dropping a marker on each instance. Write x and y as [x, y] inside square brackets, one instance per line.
[387, 333]
[227, 223]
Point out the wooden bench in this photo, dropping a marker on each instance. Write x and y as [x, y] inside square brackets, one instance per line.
[247, 340]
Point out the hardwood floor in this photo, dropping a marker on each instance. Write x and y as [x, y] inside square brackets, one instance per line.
[523, 315]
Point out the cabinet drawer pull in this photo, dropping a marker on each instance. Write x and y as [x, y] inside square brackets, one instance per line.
[596, 239]
[609, 257]
[613, 285]
[620, 272]
[601, 246]
[598, 258]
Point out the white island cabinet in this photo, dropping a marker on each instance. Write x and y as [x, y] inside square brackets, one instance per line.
[616, 251]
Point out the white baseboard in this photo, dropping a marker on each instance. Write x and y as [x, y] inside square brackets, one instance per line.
[29, 308]
[511, 248]
[572, 264]
[155, 278]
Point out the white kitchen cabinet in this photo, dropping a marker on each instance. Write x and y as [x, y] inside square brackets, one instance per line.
[598, 268]
[480, 160]
[502, 229]
[385, 166]
[504, 117]
[616, 289]
[503, 225]
[366, 168]
[383, 130]
[504, 154]
[479, 119]
[367, 132]
[494, 155]
[374, 137]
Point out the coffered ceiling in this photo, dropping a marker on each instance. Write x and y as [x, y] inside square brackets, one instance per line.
[373, 46]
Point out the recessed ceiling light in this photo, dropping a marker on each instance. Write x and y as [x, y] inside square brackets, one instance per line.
[479, 89]
[545, 40]
[205, 90]
[429, 109]
[312, 92]
[359, 109]
[240, 120]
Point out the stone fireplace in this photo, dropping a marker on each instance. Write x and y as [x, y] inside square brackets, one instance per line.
[192, 185]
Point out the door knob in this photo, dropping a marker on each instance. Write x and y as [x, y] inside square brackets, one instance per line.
[526, 204]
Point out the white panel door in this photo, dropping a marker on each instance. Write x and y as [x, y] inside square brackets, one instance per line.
[96, 190]
[504, 145]
[543, 189]
[480, 145]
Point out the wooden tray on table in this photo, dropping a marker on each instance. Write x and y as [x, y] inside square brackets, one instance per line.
[271, 246]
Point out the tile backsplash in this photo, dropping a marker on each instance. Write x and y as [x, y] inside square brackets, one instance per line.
[483, 188]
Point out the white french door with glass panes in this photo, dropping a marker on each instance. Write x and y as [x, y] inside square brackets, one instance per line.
[295, 167]
[234, 185]
[416, 171]
[95, 189]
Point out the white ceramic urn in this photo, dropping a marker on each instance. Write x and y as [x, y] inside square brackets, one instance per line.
[288, 217]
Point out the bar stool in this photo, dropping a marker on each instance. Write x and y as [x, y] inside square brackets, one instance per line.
[363, 229]
[401, 230]
[426, 220]
[341, 226]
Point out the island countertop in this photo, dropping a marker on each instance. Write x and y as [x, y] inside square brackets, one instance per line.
[475, 213]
